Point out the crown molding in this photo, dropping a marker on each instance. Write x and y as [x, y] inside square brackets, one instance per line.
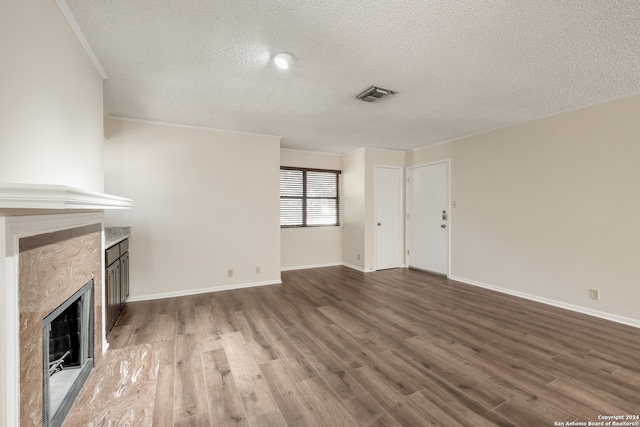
[203, 128]
[64, 8]
[321, 153]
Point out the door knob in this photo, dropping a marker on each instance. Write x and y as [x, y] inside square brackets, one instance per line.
[444, 226]
[379, 224]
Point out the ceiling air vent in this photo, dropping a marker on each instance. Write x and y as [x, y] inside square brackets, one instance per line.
[374, 94]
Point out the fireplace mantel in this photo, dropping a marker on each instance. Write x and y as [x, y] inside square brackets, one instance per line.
[16, 198]
[30, 210]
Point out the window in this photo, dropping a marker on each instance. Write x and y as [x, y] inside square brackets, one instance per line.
[309, 197]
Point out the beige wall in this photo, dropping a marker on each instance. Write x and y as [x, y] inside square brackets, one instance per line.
[311, 246]
[353, 208]
[204, 202]
[50, 100]
[550, 208]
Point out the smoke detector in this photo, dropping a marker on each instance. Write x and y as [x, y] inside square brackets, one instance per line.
[374, 94]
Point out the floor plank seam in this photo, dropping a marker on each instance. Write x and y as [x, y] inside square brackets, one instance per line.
[396, 346]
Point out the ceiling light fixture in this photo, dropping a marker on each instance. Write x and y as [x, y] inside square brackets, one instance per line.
[284, 60]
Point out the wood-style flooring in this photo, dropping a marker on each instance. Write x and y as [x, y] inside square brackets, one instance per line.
[336, 347]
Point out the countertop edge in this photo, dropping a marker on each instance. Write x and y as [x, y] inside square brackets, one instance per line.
[115, 235]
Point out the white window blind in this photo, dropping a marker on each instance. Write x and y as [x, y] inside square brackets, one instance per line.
[309, 197]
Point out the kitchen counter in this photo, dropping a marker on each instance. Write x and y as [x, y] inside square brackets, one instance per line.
[114, 235]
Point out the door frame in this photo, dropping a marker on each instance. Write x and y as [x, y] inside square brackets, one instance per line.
[401, 210]
[449, 204]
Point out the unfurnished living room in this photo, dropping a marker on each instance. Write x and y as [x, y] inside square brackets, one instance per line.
[319, 213]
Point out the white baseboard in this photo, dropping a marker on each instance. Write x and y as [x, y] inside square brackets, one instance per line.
[332, 264]
[304, 267]
[560, 304]
[188, 292]
[355, 267]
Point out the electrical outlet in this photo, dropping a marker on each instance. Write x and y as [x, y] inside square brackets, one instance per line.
[258, 270]
[594, 293]
[230, 273]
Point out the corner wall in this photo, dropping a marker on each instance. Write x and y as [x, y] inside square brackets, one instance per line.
[550, 209]
[358, 171]
[205, 202]
[353, 209]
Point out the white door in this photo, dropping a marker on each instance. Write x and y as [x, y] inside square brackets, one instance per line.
[428, 218]
[388, 216]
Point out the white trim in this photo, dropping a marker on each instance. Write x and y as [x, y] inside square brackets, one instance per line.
[16, 228]
[401, 212]
[355, 267]
[435, 162]
[203, 128]
[103, 264]
[64, 8]
[32, 225]
[10, 370]
[588, 311]
[198, 291]
[392, 150]
[322, 153]
[46, 196]
[305, 267]
[12, 342]
[355, 150]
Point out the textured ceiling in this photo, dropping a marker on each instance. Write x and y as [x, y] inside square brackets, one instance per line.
[459, 67]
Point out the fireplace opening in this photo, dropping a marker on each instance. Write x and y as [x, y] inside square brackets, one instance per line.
[67, 337]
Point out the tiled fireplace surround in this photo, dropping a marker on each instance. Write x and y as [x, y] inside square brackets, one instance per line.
[52, 256]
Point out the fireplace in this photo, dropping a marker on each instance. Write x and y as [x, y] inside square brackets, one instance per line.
[67, 354]
[50, 247]
[59, 276]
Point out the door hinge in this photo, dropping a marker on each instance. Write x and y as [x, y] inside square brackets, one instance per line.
[407, 251]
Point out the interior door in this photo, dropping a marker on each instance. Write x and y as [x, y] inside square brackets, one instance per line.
[428, 218]
[388, 216]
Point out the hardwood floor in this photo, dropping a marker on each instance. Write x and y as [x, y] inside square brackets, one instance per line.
[336, 347]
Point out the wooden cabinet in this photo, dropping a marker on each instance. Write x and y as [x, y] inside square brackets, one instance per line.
[117, 281]
[113, 284]
[124, 277]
